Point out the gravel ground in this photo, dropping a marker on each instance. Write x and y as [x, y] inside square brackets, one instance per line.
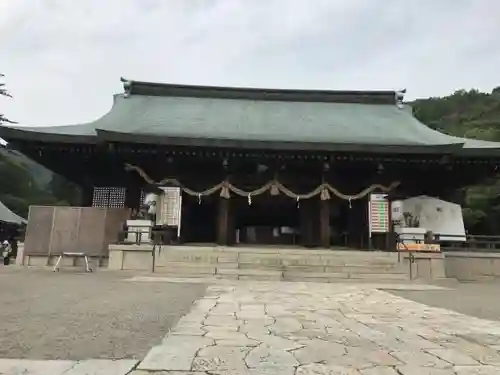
[68, 315]
[475, 299]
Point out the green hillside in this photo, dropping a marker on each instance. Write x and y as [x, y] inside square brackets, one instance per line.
[470, 114]
[41, 175]
[26, 183]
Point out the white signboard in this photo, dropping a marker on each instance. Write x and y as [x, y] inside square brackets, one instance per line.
[171, 204]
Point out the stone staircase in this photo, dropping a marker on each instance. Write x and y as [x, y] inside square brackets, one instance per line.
[273, 264]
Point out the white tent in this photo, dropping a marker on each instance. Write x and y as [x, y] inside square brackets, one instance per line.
[7, 216]
[439, 216]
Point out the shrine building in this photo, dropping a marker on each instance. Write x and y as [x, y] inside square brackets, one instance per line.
[258, 166]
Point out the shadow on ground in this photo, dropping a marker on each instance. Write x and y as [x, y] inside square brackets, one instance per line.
[477, 299]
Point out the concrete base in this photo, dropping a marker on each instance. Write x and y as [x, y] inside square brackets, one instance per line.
[426, 266]
[139, 231]
[472, 266]
[130, 257]
[43, 261]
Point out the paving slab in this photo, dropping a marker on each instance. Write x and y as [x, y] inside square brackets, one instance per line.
[102, 367]
[176, 353]
[34, 367]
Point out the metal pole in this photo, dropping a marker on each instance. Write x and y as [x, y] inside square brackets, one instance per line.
[411, 260]
[154, 259]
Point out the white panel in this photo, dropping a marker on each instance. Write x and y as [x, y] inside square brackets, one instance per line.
[438, 216]
[170, 206]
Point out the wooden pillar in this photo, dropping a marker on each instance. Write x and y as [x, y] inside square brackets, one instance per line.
[231, 235]
[353, 224]
[324, 223]
[223, 222]
[309, 215]
[304, 225]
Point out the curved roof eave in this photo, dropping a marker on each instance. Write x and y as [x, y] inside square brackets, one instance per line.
[145, 138]
[78, 133]
[49, 134]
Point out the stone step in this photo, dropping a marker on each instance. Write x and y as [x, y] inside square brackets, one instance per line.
[184, 274]
[363, 268]
[256, 274]
[375, 276]
[306, 258]
[177, 267]
[311, 259]
[181, 268]
[328, 278]
[313, 276]
[320, 266]
[367, 269]
[250, 274]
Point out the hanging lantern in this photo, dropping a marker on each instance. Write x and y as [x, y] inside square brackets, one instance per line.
[298, 202]
[249, 199]
[199, 198]
[350, 204]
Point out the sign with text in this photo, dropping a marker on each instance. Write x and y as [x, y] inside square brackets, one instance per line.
[434, 248]
[171, 205]
[378, 213]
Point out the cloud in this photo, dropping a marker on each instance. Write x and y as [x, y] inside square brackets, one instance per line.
[63, 59]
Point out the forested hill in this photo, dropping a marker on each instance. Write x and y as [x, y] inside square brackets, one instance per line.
[470, 114]
[26, 183]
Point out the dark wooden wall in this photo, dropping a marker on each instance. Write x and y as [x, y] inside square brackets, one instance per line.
[201, 168]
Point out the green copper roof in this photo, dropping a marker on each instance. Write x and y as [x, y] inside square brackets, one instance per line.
[159, 112]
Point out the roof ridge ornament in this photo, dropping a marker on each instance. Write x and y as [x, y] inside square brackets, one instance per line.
[127, 87]
[399, 97]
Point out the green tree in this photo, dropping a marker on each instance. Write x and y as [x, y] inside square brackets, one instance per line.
[4, 92]
[18, 189]
[64, 191]
[470, 114]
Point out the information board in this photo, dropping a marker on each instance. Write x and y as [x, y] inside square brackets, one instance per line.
[378, 213]
[171, 205]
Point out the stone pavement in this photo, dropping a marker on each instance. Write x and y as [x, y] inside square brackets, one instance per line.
[53, 367]
[334, 329]
[280, 328]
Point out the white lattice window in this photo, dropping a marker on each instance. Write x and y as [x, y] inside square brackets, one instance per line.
[109, 197]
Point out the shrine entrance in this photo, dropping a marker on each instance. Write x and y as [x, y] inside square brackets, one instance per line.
[199, 219]
[272, 220]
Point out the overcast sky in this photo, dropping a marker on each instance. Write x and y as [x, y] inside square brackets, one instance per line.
[63, 58]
